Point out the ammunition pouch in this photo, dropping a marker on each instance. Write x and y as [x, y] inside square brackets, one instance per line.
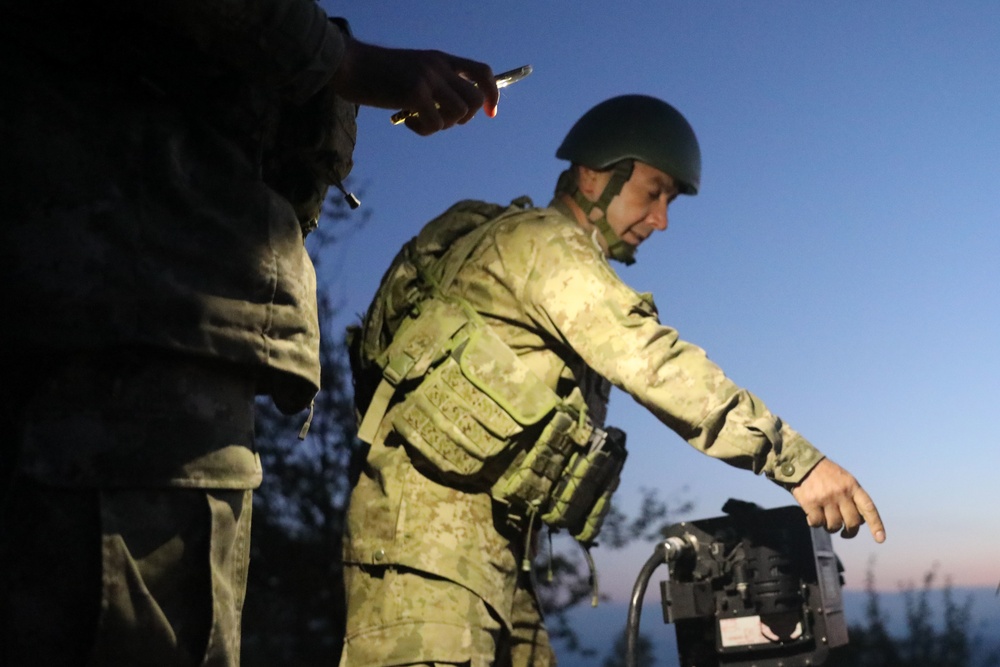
[582, 496]
[471, 404]
[568, 475]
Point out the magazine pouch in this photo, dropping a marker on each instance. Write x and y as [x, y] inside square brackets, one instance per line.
[582, 496]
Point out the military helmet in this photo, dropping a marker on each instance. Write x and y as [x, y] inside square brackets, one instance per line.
[636, 127]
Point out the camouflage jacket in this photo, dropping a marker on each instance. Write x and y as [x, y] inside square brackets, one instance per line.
[145, 200]
[545, 286]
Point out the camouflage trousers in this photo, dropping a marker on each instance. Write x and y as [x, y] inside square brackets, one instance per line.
[96, 571]
[398, 616]
[122, 577]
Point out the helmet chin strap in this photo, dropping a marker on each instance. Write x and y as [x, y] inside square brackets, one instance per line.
[617, 248]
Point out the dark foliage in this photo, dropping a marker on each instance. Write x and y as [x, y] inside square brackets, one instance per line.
[936, 635]
[644, 654]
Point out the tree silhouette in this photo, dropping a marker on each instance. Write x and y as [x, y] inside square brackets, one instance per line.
[947, 641]
[644, 655]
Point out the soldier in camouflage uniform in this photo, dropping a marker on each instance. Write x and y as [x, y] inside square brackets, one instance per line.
[436, 537]
[162, 163]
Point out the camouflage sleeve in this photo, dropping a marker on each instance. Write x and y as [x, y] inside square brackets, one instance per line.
[289, 44]
[579, 299]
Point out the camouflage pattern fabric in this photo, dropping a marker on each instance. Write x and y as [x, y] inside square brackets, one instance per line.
[548, 291]
[404, 617]
[123, 576]
[124, 536]
[140, 418]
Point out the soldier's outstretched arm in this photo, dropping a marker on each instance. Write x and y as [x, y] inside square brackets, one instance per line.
[442, 89]
[833, 499]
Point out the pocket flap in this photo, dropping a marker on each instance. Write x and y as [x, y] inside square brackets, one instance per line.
[494, 369]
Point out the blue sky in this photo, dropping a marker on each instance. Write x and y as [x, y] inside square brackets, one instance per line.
[842, 260]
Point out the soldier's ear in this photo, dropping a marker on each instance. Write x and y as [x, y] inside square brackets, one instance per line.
[590, 182]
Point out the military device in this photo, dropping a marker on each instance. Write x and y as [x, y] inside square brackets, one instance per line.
[754, 588]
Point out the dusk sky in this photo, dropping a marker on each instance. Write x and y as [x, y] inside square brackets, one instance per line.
[842, 260]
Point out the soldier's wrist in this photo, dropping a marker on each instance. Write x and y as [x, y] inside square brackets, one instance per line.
[797, 459]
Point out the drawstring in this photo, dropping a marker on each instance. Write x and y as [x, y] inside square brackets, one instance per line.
[595, 593]
[526, 560]
[309, 420]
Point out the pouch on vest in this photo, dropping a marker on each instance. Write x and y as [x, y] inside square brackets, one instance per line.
[473, 405]
[422, 340]
[569, 474]
[582, 496]
[527, 483]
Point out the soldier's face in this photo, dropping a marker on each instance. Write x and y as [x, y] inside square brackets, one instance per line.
[641, 207]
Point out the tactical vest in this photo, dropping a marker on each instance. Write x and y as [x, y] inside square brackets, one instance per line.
[465, 401]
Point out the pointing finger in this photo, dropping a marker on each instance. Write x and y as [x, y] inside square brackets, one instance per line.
[866, 506]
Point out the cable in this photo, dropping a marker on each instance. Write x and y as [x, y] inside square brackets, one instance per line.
[635, 605]
[665, 551]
